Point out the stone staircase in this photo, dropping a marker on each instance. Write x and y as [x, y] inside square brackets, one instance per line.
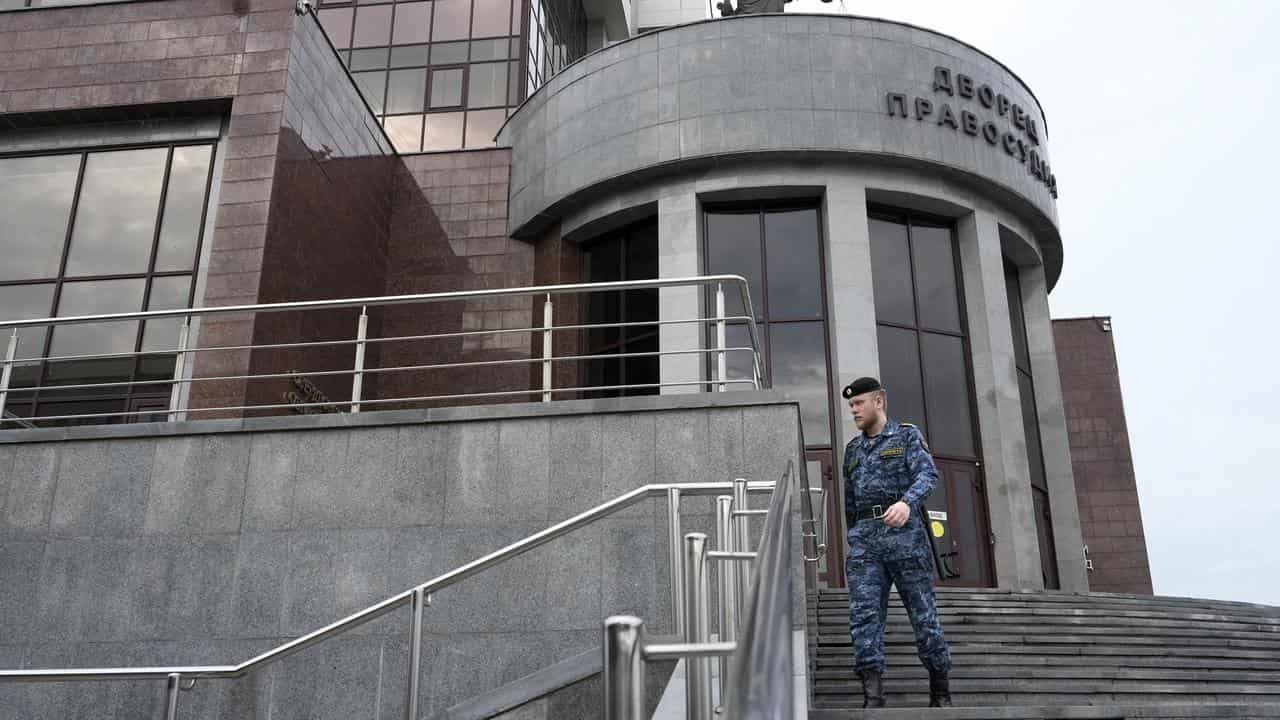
[1062, 655]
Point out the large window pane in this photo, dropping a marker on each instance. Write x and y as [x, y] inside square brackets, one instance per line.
[413, 23]
[733, 248]
[452, 21]
[798, 360]
[939, 299]
[1031, 428]
[900, 374]
[487, 85]
[167, 293]
[791, 256]
[446, 88]
[373, 85]
[1017, 320]
[184, 204]
[490, 49]
[410, 55]
[891, 272]
[443, 131]
[98, 298]
[406, 90]
[116, 217]
[337, 25]
[405, 132]
[26, 302]
[482, 126]
[373, 26]
[491, 18]
[35, 204]
[368, 59]
[946, 382]
[450, 53]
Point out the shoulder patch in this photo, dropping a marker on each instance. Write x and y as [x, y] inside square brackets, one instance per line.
[923, 443]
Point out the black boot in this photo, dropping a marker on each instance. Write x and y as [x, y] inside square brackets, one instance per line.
[939, 690]
[872, 689]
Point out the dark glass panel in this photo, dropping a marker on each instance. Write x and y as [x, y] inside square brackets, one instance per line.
[1031, 430]
[604, 264]
[406, 90]
[738, 362]
[642, 370]
[368, 59]
[405, 132]
[791, 256]
[486, 85]
[900, 374]
[642, 264]
[446, 88]
[452, 21]
[491, 18]
[444, 131]
[939, 298]
[413, 23]
[35, 204]
[373, 85]
[167, 293]
[1044, 533]
[451, 53]
[410, 55]
[891, 272]
[1017, 320]
[482, 126]
[25, 302]
[489, 49]
[337, 25]
[798, 360]
[116, 216]
[733, 248]
[946, 382]
[373, 26]
[98, 298]
[184, 204]
[513, 84]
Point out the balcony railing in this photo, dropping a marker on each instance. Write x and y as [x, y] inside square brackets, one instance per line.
[481, 364]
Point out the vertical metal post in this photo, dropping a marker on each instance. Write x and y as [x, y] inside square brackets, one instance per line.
[357, 378]
[179, 371]
[546, 349]
[623, 668]
[416, 605]
[742, 539]
[726, 585]
[677, 566]
[173, 687]
[7, 373]
[722, 366]
[697, 615]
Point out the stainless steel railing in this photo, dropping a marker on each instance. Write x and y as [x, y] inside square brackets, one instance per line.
[187, 350]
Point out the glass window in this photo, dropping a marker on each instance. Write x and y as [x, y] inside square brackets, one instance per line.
[36, 193]
[443, 131]
[413, 23]
[406, 90]
[183, 208]
[446, 88]
[900, 375]
[486, 85]
[491, 18]
[410, 55]
[798, 363]
[489, 50]
[482, 126]
[1013, 288]
[373, 26]
[116, 216]
[791, 253]
[452, 20]
[368, 59]
[451, 53]
[935, 265]
[1031, 427]
[891, 272]
[96, 298]
[167, 293]
[513, 84]
[337, 25]
[405, 132]
[946, 384]
[26, 302]
[373, 85]
[733, 248]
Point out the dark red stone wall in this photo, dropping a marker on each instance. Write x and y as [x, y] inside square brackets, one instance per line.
[1110, 515]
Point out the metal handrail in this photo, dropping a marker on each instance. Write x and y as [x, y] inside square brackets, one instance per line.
[377, 610]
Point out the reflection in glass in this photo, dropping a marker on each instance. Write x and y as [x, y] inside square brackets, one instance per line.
[1031, 428]
[97, 298]
[900, 375]
[413, 23]
[406, 90]
[443, 131]
[513, 84]
[1013, 288]
[410, 55]
[446, 88]
[26, 302]
[450, 53]
[167, 293]
[891, 272]
[946, 383]
[368, 59]
[491, 18]
[373, 86]
[183, 207]
[791, 255]
[486, 85]
[35, 204]
[489, 50]
[482, 126]
[798, 361]
[116, 216]
[405, 131]
[939, 299]
[733, 248]
[337, 25]
[452, 20]
[373, 26]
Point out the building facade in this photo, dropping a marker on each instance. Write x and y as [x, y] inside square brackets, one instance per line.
[885, 190]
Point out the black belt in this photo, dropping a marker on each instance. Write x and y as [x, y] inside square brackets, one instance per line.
[874, 512]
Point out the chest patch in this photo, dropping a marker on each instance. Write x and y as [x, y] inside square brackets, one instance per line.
[893, 452]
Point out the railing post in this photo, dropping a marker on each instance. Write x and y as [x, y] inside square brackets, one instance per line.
[416, 605]
[697, 615]
[742, 539]
[674, 555]
[546, 349]
[623, 668]
[179, 371]
[726, 573]
[357, 378]
[722, 366]
[6, 375]
[173, 687]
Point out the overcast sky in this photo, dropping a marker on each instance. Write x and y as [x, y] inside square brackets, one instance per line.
[1162, 133]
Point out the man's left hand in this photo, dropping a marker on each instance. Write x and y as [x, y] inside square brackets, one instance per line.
[897, 515]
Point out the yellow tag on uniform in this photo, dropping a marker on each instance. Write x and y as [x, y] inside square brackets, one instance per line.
[893, 452]
[937, 528]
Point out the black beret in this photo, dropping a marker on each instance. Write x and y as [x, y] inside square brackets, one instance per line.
[860, 386]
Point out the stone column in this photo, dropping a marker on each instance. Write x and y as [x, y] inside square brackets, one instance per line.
[678, 257]
[1016, 552]
[1067, 537]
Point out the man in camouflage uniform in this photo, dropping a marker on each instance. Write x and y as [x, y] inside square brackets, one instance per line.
[888, 473]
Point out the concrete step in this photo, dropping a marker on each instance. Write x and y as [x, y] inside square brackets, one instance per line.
[949, 619]
[1023, 634]
[839, 611]
[1059, 712]
[966, 657]
[844, 672]
[1053, 598]
[1014, 651]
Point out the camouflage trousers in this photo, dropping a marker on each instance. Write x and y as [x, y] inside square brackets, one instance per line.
[869, 576]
